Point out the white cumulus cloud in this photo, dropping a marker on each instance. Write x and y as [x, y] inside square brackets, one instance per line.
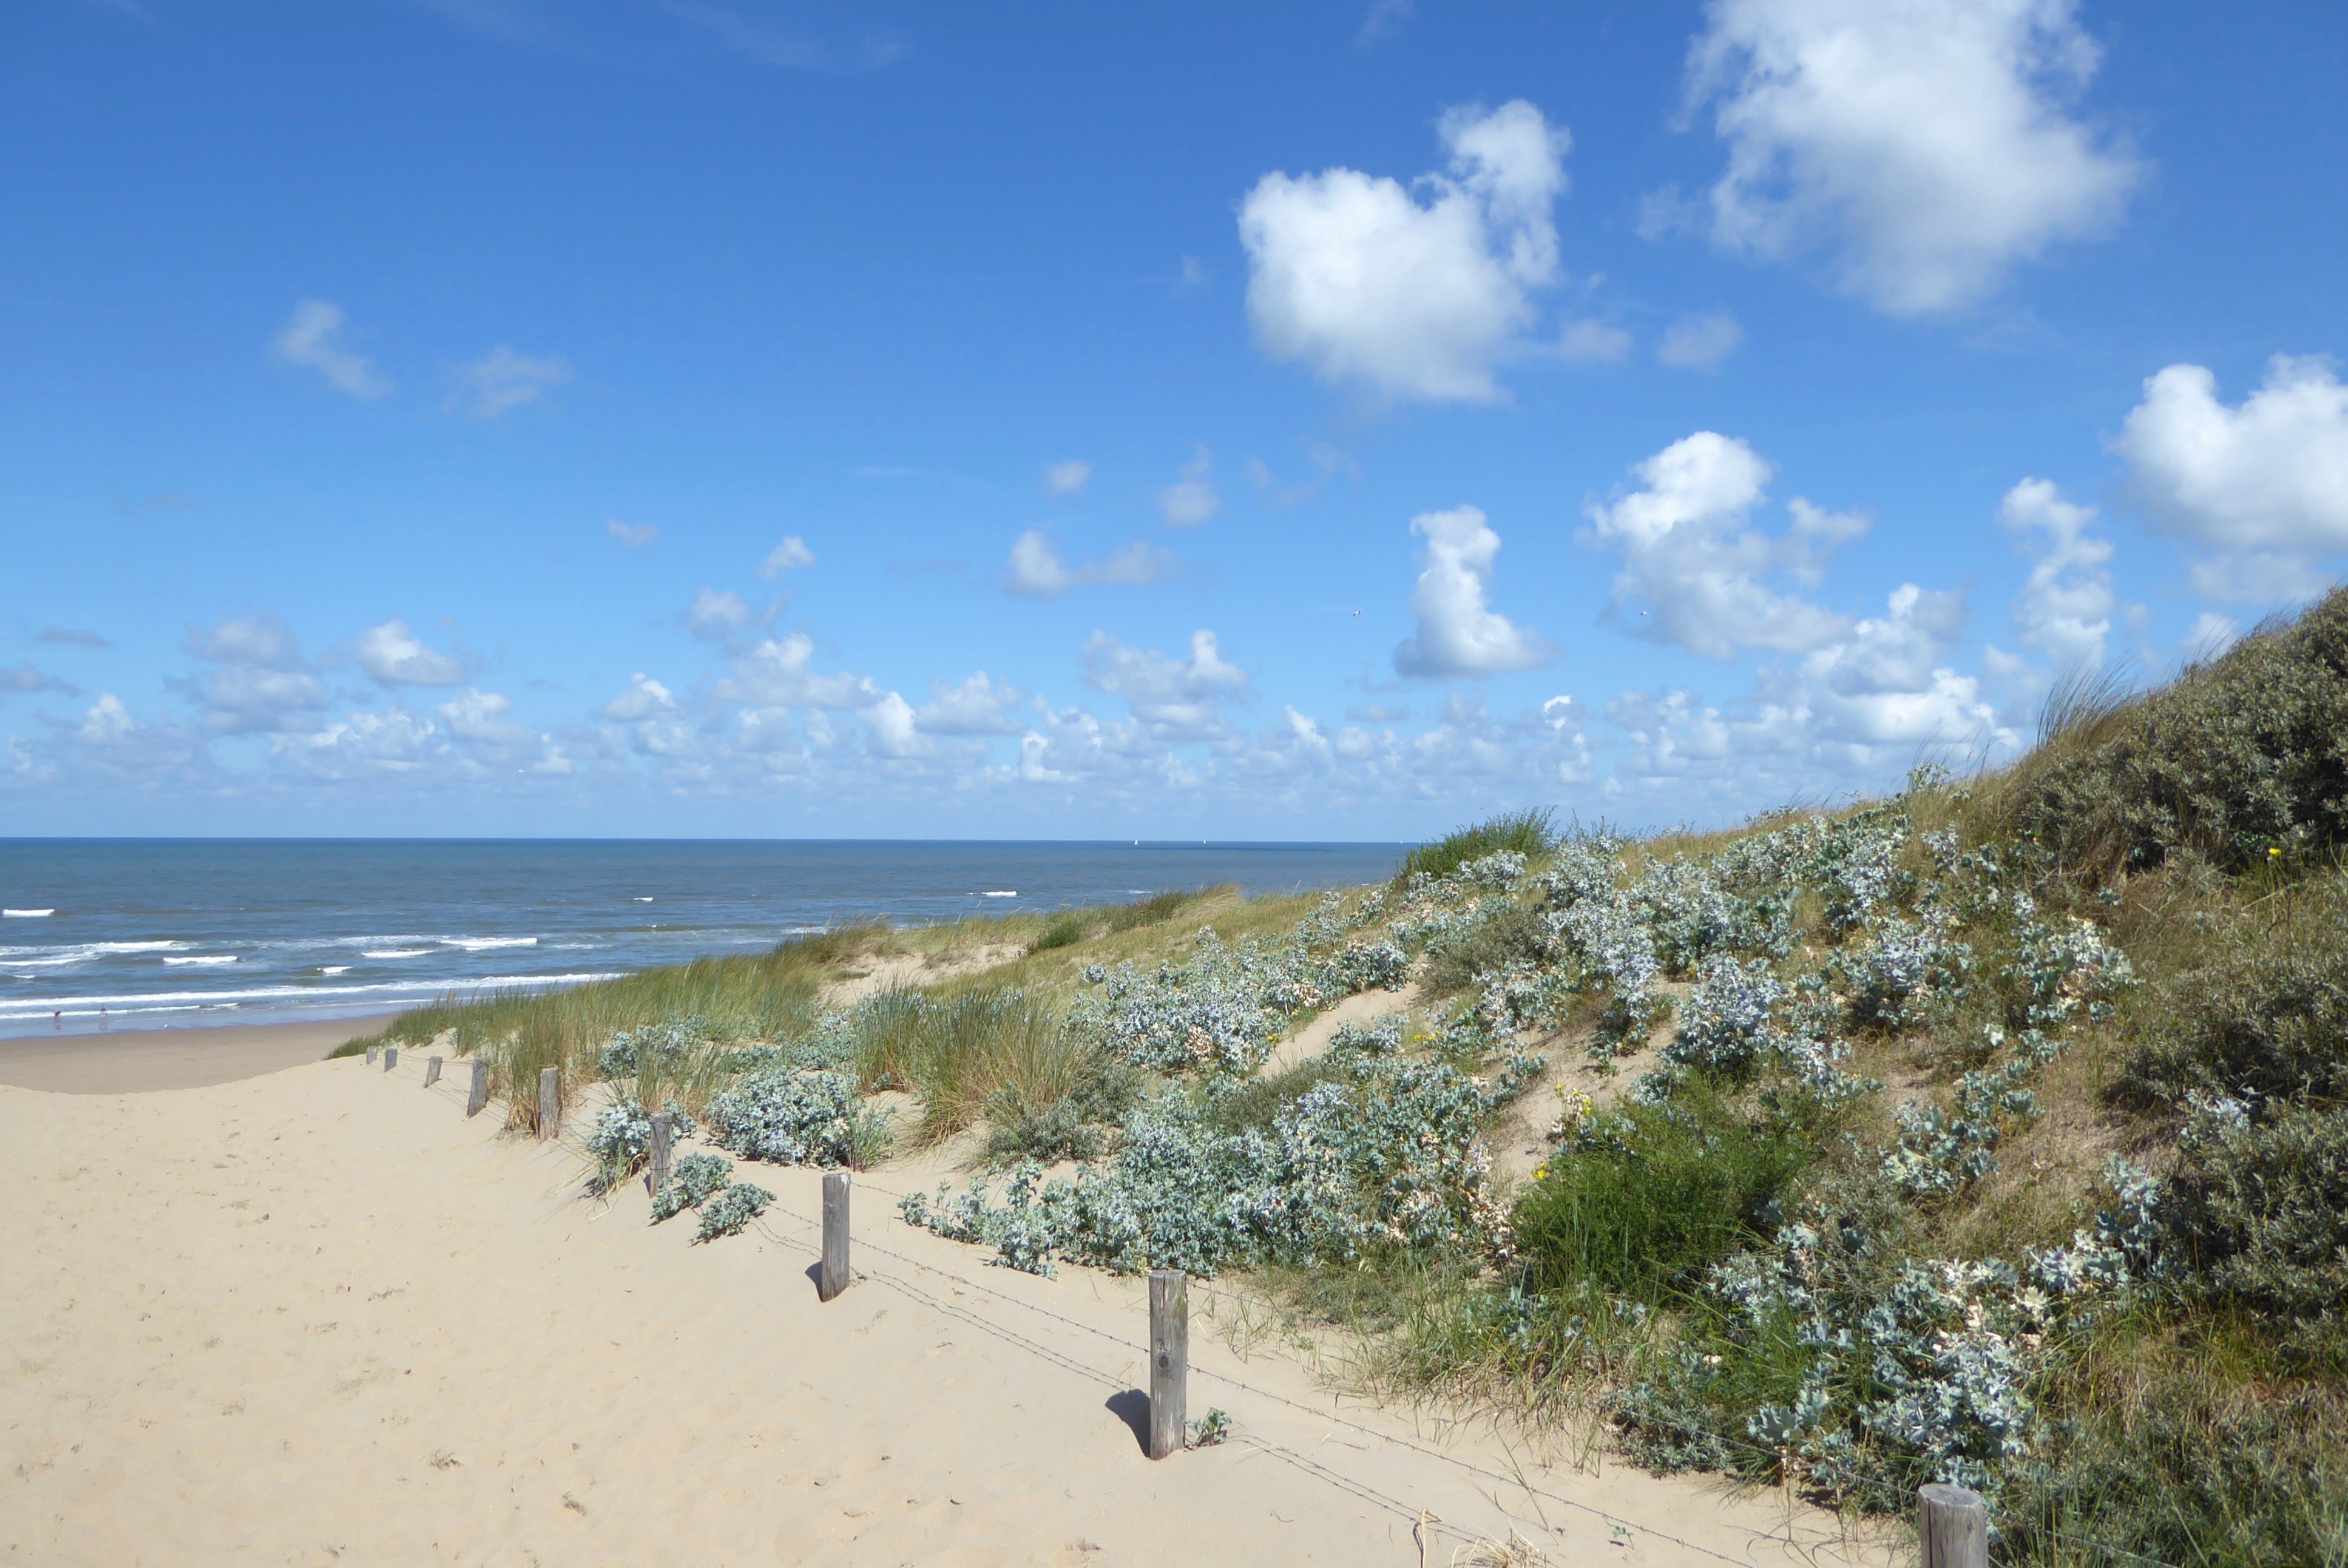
[393, 655]
[778, 672]
[1354, 276]
[1176, 698]
[715, 614]
[1927, 146]
[1192, 500]
[1037, 569]
[978, 705]
[631, 535]
[2065, 609]
[312, 338]
[1458, 632]
[1688, 552]
[1066, 478]
[2264, 486]
[788, 557]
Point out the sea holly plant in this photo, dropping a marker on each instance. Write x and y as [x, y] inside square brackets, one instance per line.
[621, 1141]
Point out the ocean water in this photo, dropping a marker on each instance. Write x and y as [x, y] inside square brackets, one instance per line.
[150, 933]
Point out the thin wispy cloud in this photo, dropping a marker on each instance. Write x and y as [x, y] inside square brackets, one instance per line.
[505, 379]
[768, 45]
[631, 535]
[311, 339]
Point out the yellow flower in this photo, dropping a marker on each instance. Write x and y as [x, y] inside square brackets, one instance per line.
[2273, 853]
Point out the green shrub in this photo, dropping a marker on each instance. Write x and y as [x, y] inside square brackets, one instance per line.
[1502, 934]
[2167, 1455]
[2261, 1210]
[2230, 759]
[1064, 931]
[1527, 833]
[2266, 1019]
[1653, 1195]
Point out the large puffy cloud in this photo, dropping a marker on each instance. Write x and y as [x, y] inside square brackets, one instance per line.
[1688, 552]
[261, 682]
[2264, 486]
[483, 726]
[978, 705]
[397, 744]
[1352, 275]
[1929, 145]
[1458, 632]
[312, 338]
[2065, 609]
[1037, 569]
[778, 672]
[1176, 698]
[1853, 712]
[395, 657]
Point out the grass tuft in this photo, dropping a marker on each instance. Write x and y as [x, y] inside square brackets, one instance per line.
[1528, 833]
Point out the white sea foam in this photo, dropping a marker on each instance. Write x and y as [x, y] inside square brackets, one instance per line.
[478, 944]
[334, 969]
[396, 953]
[1013, 894]
[28, 913]
[643, 900]
[207, 958]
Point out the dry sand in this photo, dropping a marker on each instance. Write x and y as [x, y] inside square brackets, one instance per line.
[320, 1316]
[133, 1059]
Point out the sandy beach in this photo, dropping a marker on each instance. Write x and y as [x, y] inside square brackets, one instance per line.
[320, 1316]
[129, 1061]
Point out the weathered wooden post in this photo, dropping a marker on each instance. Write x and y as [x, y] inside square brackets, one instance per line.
[833, 1278]
[1953, 1524]
[431, 1071]
[549, 1100]
[372, 1051]
[657, 1177]
[390, 1057]
[1170, 1361]
[478, 1094]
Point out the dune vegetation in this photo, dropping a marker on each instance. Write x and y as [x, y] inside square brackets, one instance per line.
[1995, 1132]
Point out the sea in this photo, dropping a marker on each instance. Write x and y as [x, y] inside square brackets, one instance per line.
[141, 933]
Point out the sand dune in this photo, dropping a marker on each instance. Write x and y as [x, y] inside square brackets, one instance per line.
[319, 1316]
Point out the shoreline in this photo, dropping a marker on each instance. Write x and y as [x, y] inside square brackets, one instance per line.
[135, 1061]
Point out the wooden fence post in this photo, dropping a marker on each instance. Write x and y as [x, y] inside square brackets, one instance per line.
[833, 1279]
[371, 1053]
[390, 1057]
[1170, 1361]
[549, 1100]
[478, 1094]
[657, 1177]
[431, 1071]
[1954, 1526]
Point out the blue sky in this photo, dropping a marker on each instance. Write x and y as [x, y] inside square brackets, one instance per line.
[1319, 421]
